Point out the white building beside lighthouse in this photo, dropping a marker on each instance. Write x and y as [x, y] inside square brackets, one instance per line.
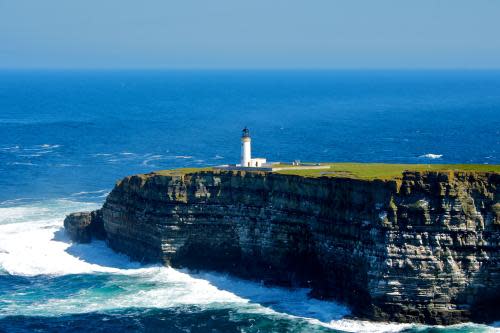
[246, 152]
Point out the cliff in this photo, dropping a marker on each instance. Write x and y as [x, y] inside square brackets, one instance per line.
[423, 248]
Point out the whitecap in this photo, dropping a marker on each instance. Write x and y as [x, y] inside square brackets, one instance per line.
[31, 155]
[49, 146]
[89, 192]
[15, 201]
[65, 165]
[151, 158]
[44, 152]
[22, 163]
[11, 148]
[183, 157]
[431, 156]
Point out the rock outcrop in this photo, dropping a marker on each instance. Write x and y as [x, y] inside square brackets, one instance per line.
[425, 248]
[83, 226]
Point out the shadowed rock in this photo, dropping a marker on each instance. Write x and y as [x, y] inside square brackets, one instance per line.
[83, 226]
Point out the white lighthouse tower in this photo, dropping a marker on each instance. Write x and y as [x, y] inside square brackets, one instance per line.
[246, 150]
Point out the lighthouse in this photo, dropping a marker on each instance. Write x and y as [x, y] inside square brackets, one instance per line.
[246, 150]
[247, 163]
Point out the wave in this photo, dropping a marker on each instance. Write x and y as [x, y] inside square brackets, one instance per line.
[33, 243]
[22, 163]
[11, 148]
[431, 156]
[66, 165]
[30, 155]
[17, 201]
[151, 159]
[25, 210]
[89, 195]
[49, 146]
[146, 159]
[30, 151]
[89, 192]
[352, 325]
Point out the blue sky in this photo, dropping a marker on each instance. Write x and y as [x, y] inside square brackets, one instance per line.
[338, 34]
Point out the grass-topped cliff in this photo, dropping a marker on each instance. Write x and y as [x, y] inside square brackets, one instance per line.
[363, 170]
[424, 247]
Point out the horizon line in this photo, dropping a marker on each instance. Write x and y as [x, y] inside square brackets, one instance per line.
[248, 69]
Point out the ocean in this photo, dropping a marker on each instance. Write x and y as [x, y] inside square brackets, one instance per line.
[67, 136]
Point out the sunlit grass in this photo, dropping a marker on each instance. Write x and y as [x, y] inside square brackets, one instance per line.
[385, 171]
[359, 170]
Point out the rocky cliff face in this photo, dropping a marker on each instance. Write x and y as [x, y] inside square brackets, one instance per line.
[83, 226]
[422, 249]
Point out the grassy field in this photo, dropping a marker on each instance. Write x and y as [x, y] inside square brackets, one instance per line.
[360, 170]
[181, 171]
[385, 171]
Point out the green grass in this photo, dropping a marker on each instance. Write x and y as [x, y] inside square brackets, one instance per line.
[385, 171]
[180, 171]
[359, 170]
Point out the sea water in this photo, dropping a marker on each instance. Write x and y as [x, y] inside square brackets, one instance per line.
[66, 137]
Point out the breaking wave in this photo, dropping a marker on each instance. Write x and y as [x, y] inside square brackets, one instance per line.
[431, 156]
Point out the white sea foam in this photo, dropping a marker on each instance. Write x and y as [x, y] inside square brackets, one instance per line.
[89, 192]
[11, 148]
[152, 158]
[30, 155]
[351, 325]
[32, 242]
[22, 163]
[12, 202]
[49, 146]
[431, 156]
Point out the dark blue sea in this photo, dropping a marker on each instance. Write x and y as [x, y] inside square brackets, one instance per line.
[67, 136]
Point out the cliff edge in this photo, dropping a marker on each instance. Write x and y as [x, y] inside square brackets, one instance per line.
[423, 248]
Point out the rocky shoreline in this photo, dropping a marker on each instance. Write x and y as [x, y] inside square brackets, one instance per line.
[424, 248]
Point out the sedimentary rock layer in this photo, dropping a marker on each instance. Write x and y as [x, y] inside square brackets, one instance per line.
[83, 226]
[425, 248]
